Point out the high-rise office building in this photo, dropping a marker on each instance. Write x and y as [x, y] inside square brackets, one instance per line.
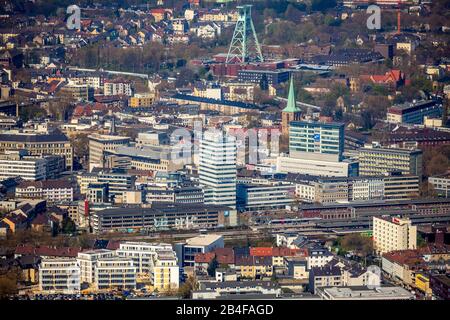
[217, 168]
[99, 144]
[316, 140]
[381, 161]
[391, 234]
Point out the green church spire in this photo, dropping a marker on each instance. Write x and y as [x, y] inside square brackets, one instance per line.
[291, 104]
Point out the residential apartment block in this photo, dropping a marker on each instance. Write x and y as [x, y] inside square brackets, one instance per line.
[51, 190]
[87, 261]
[59, 275]
[115, 273]
[393, 234]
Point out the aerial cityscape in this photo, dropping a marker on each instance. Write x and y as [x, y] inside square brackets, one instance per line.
[224, 150]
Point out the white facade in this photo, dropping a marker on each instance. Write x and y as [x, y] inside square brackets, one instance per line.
[393, 234]
[319, 259]
[366, 293]
[217, 168]
[201, 244]
[87, 261]
[155, 262]
[312, 167]
[367, 189]
[305, 192]
[117, 88]
[27, 169]
[441, 184]
[59, 275]
[50, 194]
[115, 272]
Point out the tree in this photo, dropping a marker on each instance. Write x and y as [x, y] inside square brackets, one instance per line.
[8, 283]
[438, 164]
[31, 112]
[339, 114]
[68, 226]
[186, 288]
[327, 110]
[421, 242]
[185, 77]
[362, 246]
[292, 13]
[212, 267]
[427, 190]
[81, 146]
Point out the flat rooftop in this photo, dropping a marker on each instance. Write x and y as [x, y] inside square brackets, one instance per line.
[203, 240]
[383, 293]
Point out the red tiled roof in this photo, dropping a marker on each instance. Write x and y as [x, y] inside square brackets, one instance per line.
[224, 255]
[47, 251]
[204, 257]
[261, 251]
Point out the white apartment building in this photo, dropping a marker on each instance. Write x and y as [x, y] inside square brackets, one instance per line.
[305, 192]
[318, 257]
[112, 88]
[217, 168]
[93, 81]
[115, 272]
[27, 169]
[143, 255]
[59, 275]
[393, 234]
[87, 261]
[51, 190]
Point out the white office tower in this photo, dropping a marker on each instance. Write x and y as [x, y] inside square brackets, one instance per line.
[217, 168]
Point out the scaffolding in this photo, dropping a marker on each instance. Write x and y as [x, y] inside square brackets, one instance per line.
[244, 46]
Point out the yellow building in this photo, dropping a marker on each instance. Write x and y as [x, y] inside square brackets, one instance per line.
[165, 275]
[354, 84]
[422, 283]
[254, 267]
[408, 47]
[141, 100]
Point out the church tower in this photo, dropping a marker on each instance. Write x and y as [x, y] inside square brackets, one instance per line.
[290, 113]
